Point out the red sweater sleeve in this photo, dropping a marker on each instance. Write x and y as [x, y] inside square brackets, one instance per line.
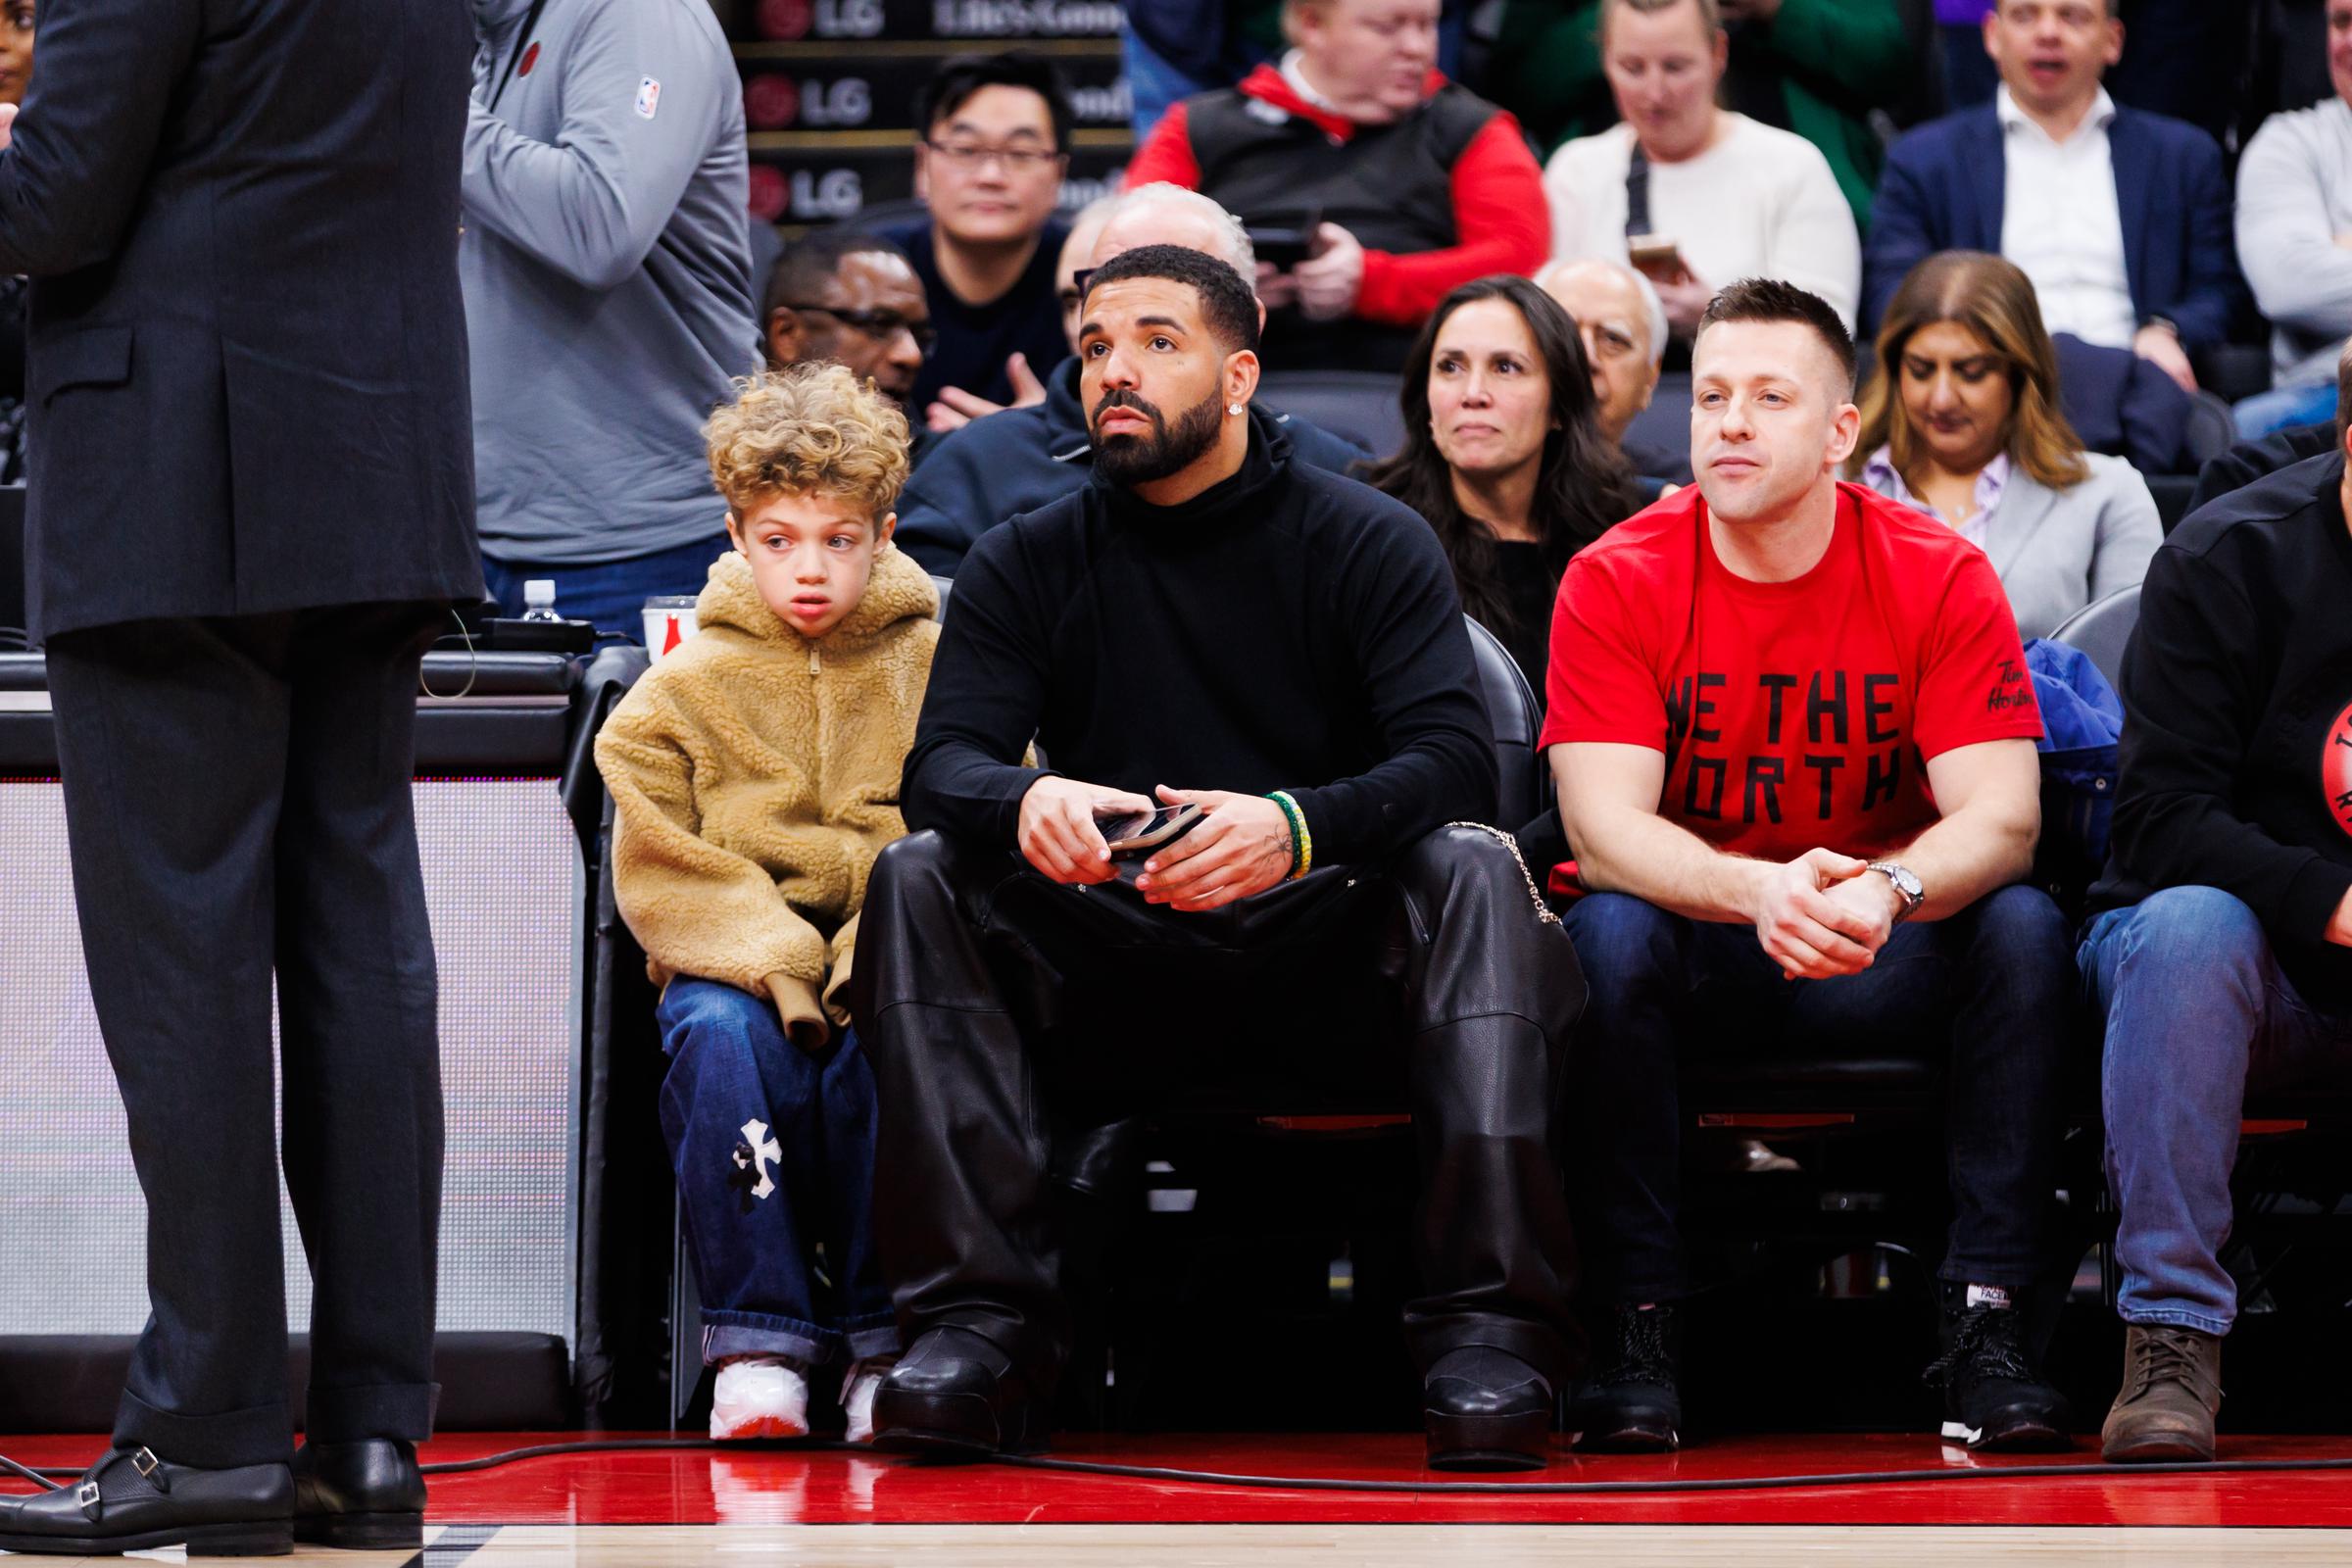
[1166, 154]
[1498, 212]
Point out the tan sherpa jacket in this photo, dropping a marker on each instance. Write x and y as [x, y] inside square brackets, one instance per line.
[756, 776]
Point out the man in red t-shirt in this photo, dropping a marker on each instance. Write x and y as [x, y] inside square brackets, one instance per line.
[1793, 735]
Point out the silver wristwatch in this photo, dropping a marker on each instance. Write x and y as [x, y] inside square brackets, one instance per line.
[1905, 884]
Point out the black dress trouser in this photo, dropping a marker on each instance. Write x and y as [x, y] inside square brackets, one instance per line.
[996, 1007]
[238, 803]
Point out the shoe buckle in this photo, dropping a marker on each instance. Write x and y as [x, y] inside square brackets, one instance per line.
[87, 1496]
[145, 1462]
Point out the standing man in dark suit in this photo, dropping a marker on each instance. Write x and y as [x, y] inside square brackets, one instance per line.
[2121, 217]
[253, 506]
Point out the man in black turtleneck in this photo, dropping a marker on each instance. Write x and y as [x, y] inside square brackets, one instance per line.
[1206, 623]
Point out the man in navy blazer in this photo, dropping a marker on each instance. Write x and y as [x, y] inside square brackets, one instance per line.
[2121, 217]
[251, 505]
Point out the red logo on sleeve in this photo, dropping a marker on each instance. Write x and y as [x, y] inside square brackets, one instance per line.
[530, 57]
[2335, 769]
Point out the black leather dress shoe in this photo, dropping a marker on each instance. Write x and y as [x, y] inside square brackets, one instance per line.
[132, 1501]
[956, 1392]
[1486, 1409]
[364, 1496]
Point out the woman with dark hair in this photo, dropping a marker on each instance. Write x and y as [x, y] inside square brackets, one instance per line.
[1962, 423]
[1504, 456]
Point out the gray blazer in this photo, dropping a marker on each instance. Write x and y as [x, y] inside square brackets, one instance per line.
[2058, 550]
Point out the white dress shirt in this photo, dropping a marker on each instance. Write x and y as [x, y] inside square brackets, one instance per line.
[2061, 226]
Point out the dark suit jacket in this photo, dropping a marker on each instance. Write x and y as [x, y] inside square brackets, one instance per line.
[246, 345]
[1945, 187]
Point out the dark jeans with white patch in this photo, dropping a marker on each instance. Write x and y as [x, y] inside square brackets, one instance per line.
[774, 1152]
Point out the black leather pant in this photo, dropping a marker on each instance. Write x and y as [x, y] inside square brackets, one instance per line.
[997, 1007]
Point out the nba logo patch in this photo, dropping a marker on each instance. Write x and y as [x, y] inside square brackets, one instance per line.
[649, 98]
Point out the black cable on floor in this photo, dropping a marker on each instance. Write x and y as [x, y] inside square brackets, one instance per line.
[1215, 1478]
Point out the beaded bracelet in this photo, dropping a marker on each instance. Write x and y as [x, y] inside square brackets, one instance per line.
[1302, 843]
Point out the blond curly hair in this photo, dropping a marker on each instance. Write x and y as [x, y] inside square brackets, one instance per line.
[808, 429]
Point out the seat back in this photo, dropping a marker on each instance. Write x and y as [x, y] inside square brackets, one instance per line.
[1518, 720]
[1358, 406]
[2102, 629]
[2208, 432]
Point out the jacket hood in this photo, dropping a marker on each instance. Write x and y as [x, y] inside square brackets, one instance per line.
[1267, 86]
[899, 590]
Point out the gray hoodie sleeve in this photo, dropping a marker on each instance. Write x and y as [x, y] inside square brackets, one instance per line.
[642, 91]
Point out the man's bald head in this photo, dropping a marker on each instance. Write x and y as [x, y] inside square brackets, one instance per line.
[1623, 326]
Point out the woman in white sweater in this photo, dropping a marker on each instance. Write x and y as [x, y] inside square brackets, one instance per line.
[1717, 195]
[1962, 423]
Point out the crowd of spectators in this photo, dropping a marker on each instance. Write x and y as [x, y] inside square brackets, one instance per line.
[1954, 297]
[1771, 375]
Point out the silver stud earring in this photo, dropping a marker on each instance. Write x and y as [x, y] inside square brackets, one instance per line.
[1233, 408]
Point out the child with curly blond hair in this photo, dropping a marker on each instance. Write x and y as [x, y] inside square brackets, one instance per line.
[754, 771]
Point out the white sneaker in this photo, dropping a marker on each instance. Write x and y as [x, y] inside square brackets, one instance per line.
[758, 1397]
[857, 1392]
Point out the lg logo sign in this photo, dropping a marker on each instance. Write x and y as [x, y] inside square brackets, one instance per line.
[772, 102]
[824, 19]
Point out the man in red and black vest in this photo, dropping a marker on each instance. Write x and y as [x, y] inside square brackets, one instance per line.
[1402, 185]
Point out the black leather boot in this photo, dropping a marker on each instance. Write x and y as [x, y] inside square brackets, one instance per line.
[1486, 1409]
[956, 1392]
[361, 1496]
[132, 1501]
[1632, 1403]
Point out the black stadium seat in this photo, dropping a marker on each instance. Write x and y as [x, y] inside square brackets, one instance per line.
[2101, 631]
[1358, 406]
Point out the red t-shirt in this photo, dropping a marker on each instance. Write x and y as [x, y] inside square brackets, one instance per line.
[1795, 715]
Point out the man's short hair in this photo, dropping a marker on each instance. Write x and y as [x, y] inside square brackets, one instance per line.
[1228, 307]
[954, 84]
[1768, 299]
[803, 430]
[803, 265]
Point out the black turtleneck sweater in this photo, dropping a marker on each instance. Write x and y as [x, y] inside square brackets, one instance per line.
[1285, 629]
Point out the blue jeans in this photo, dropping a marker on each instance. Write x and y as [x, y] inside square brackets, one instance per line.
[2197, 1012]
[610, 593]
[2284, 406]
[737, 1084]
[1990, 986]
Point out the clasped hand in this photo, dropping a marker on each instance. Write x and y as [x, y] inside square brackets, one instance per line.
[1242, 847]
[1820, 916]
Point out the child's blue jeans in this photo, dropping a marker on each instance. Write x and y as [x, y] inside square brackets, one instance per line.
[774, 1153]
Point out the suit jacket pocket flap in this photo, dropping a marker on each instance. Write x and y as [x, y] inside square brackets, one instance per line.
[97, 355]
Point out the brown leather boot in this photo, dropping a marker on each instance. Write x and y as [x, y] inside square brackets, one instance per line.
[2171, 1388]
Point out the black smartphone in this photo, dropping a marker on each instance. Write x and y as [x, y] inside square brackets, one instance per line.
[1284, 247]
[1134, 836]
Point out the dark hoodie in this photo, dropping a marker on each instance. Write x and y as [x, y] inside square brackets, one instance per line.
[1022, 459]
[2237, 755]
[1285, 629]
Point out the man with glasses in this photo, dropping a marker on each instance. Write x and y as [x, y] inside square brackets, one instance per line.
[607, 263]
[852, 299]
[992, 135]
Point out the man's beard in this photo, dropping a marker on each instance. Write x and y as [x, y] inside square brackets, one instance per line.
[1133, 460]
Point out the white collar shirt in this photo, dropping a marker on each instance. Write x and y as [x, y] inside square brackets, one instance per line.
[2061, 226]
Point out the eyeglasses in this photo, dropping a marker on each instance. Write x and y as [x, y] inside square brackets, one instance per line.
[880, 325]
[969, 156]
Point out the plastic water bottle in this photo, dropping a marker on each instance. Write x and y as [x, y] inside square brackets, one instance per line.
[539, 599]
